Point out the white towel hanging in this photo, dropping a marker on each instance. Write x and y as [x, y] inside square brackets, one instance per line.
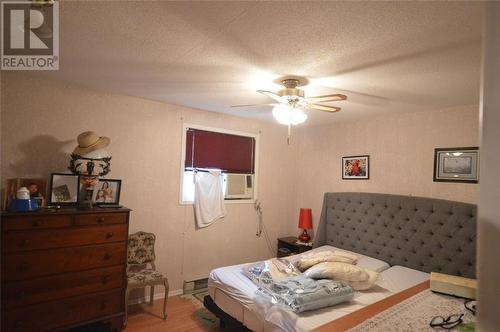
[208, 197]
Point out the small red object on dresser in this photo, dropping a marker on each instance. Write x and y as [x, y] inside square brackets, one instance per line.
[305, 222]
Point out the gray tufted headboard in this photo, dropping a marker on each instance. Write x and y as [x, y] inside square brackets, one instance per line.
[420, 233]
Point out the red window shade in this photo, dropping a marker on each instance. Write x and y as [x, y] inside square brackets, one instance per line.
[230, 153]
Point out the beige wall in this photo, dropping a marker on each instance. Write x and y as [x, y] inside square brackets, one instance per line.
[401, 149]
[42, 118]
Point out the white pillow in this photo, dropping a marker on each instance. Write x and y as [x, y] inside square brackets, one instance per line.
[337, 271]
[364, 285]
[310, 259]
[349, 257]
[367, 262]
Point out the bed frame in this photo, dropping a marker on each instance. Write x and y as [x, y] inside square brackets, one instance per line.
[420, 233]
[227, 322]
[424, 234]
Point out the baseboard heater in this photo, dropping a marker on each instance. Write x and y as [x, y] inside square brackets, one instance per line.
[195, 286]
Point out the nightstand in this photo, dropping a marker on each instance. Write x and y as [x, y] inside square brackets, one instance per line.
[287, 246]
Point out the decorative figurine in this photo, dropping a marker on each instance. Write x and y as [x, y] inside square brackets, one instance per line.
[90, 160]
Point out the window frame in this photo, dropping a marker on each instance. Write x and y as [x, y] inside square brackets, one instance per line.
[185, 127]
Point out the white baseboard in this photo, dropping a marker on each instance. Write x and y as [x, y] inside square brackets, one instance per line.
[172, 293]
[157, 296]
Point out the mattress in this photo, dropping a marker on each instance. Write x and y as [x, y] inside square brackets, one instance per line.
[234, 293]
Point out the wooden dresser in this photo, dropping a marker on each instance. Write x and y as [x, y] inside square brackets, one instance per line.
[63, 269]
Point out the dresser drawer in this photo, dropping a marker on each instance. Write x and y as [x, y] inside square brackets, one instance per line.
[100, 219]
[30, 264]
[57, 314]
[64, 237]
[35, 222]
[22, 293]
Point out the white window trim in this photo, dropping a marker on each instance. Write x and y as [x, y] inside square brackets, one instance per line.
[185, 127]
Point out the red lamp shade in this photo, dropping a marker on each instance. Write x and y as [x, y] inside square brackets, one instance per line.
[305, 218]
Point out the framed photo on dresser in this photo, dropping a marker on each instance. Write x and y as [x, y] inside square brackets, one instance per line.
[456, 165]
[356, 168]
[63, 189]
[36, 187]
[108, 192]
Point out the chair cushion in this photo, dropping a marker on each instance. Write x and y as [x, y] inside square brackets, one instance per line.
[144, 276]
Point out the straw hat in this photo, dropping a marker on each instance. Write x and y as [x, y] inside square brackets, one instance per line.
[88, 141]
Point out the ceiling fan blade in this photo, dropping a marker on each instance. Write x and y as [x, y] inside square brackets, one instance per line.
[270, 94]
[322, 99]
[251, 105]
[324, 108]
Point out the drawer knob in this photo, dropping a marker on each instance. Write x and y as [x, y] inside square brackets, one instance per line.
[109, 235]
[36, 223]
[107, 256]
[106, 279]
[21, 294]
[23, 243]
[100, 220]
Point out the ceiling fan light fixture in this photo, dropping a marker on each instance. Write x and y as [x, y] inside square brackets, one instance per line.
[287, 115]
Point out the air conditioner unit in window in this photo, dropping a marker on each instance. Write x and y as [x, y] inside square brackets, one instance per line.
[239, 186]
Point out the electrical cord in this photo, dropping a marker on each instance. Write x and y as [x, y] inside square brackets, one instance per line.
[258, 208]
[262, 227]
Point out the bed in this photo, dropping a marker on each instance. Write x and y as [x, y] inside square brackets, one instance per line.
[402, 237]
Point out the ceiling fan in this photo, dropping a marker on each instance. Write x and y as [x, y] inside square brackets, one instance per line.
[291, 101]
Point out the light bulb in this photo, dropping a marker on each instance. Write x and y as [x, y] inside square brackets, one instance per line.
[287, 115]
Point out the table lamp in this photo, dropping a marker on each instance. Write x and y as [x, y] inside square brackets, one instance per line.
[305, 222]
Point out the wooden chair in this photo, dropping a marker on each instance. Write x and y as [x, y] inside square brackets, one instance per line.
[141, 254]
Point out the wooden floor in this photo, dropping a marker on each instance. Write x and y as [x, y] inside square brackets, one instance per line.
[180, 317]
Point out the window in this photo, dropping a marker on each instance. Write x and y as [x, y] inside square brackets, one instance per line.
[234, 153]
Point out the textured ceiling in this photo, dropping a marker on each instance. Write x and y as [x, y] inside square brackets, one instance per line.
[386, 57]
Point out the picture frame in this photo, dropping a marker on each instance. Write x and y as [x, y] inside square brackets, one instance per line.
[64, 189]
[37, 187]
[356, 167]
[108, 192]
[10, 192]
[459, 165]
